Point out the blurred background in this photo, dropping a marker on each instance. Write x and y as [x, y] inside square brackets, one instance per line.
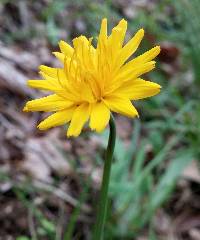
[49, 184]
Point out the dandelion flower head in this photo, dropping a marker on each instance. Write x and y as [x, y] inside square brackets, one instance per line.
[94, 81]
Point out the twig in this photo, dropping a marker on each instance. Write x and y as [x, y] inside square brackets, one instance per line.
[61, 194]
[60, 221]
[31, 225]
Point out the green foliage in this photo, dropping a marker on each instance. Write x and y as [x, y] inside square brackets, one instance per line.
[49, 14]
[180, 26]
[22, 238]
[189, 30]
[73, 219]
[45, 227]
[139, 187]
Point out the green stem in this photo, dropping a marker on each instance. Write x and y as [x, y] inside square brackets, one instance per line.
[103, 202]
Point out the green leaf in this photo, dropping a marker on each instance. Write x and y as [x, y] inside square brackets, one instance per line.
[22, 238]
[168, 180]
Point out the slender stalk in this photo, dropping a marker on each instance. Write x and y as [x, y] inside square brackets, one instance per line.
[103, 201]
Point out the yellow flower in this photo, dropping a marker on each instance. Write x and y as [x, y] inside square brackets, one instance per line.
[94, 81]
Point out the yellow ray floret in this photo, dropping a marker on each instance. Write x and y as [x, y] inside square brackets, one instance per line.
[94, 81]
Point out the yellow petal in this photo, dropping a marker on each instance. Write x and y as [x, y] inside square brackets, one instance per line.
[102, 39]
[115, 43]
[58, 87]
[66, 49]
[43, 84]
[123, 27]
[144, 58]
[57, 119]
[103, 30]
[48, 104]
[46, 76]
[78, 43]
[127, 75]
[59, 56]
[86, 93]
[25, 109]
[138, 89]
[132, 73]
[79, 118]
[54, 76]
[116, 38]
[131, 47]
[121, 105]
[100, 116]
[148, 55]
[51, 72]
